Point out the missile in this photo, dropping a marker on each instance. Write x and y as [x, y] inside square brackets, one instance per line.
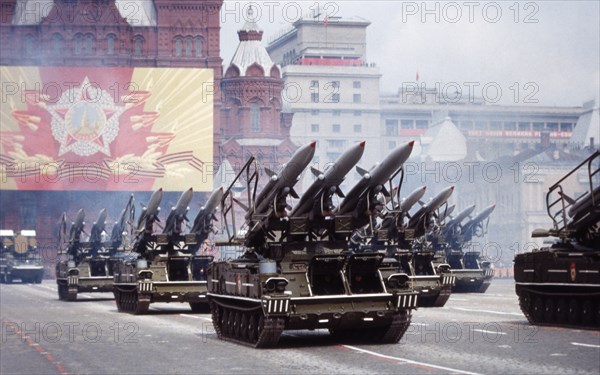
[283, 183]
[484, 214]
[178, 212]
[328, 183]
[461, 216]
[207, 212]
[468, 230]
[412, 198]
[79, 219]
[150, 212]
[433, 204]
[446, 213]
[98, 227]
[373, 181]
[119, 227]
[77, 226]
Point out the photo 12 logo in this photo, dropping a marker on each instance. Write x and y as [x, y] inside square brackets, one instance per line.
[469, 11]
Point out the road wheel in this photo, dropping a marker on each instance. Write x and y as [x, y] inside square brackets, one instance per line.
[244, 331]
[574, 311]
[237, 322]
[537, 312]
[562, 311]
[253, 328]
[587, 313]
[549, 310]
[225, 322]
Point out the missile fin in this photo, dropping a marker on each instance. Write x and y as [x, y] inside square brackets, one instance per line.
[269, 172]
[339, 192]
[294, 194]
[315, 171]
[361, 171]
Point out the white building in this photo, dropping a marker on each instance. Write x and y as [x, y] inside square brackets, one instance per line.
[331, 89]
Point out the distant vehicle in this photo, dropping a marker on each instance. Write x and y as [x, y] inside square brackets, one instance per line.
[472, 272]
[399, 236]
[19, 257]
[560, 284]
[165, 266]
[87, 267]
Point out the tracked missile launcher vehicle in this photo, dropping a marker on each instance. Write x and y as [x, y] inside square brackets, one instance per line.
[472, 273]
[19, 257]
[89, 265]
[560, 284]
[165, 267]
[400, 236]
[297, 271]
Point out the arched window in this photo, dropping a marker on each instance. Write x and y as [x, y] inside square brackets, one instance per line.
[57, 44]
[28, 47]
[178, 47]
[78, 43]
[137, 45]
[110, 44]
[89, 44]
[255, 117]
[198, 46]
[188, 47]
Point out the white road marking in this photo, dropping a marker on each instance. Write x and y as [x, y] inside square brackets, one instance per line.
[47, 287]
[493, 332]
[585, 345]
[486, 311]
[196, 317]
[453, 370]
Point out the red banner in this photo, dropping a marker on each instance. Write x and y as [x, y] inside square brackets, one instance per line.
[132, 129]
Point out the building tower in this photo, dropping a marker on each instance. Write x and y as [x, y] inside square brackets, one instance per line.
[252, 122]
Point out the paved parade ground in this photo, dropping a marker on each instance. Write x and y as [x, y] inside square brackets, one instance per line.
[472, 334]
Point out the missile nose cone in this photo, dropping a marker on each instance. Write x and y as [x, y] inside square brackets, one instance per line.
[452, 188]
[362, 144]
[160, 189]
[411, 143]
[423, 187]
[313, 144]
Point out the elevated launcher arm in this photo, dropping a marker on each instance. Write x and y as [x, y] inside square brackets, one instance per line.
[574, 217]
[250, 169]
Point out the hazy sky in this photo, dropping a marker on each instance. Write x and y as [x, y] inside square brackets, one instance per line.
[520, 52]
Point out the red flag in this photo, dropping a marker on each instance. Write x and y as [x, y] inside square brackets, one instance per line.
[326, 21]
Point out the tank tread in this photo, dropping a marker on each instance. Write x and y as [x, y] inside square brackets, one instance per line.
[397, 328]
[560, 311]
[246, 326]
[64, 294]
[129, 301]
